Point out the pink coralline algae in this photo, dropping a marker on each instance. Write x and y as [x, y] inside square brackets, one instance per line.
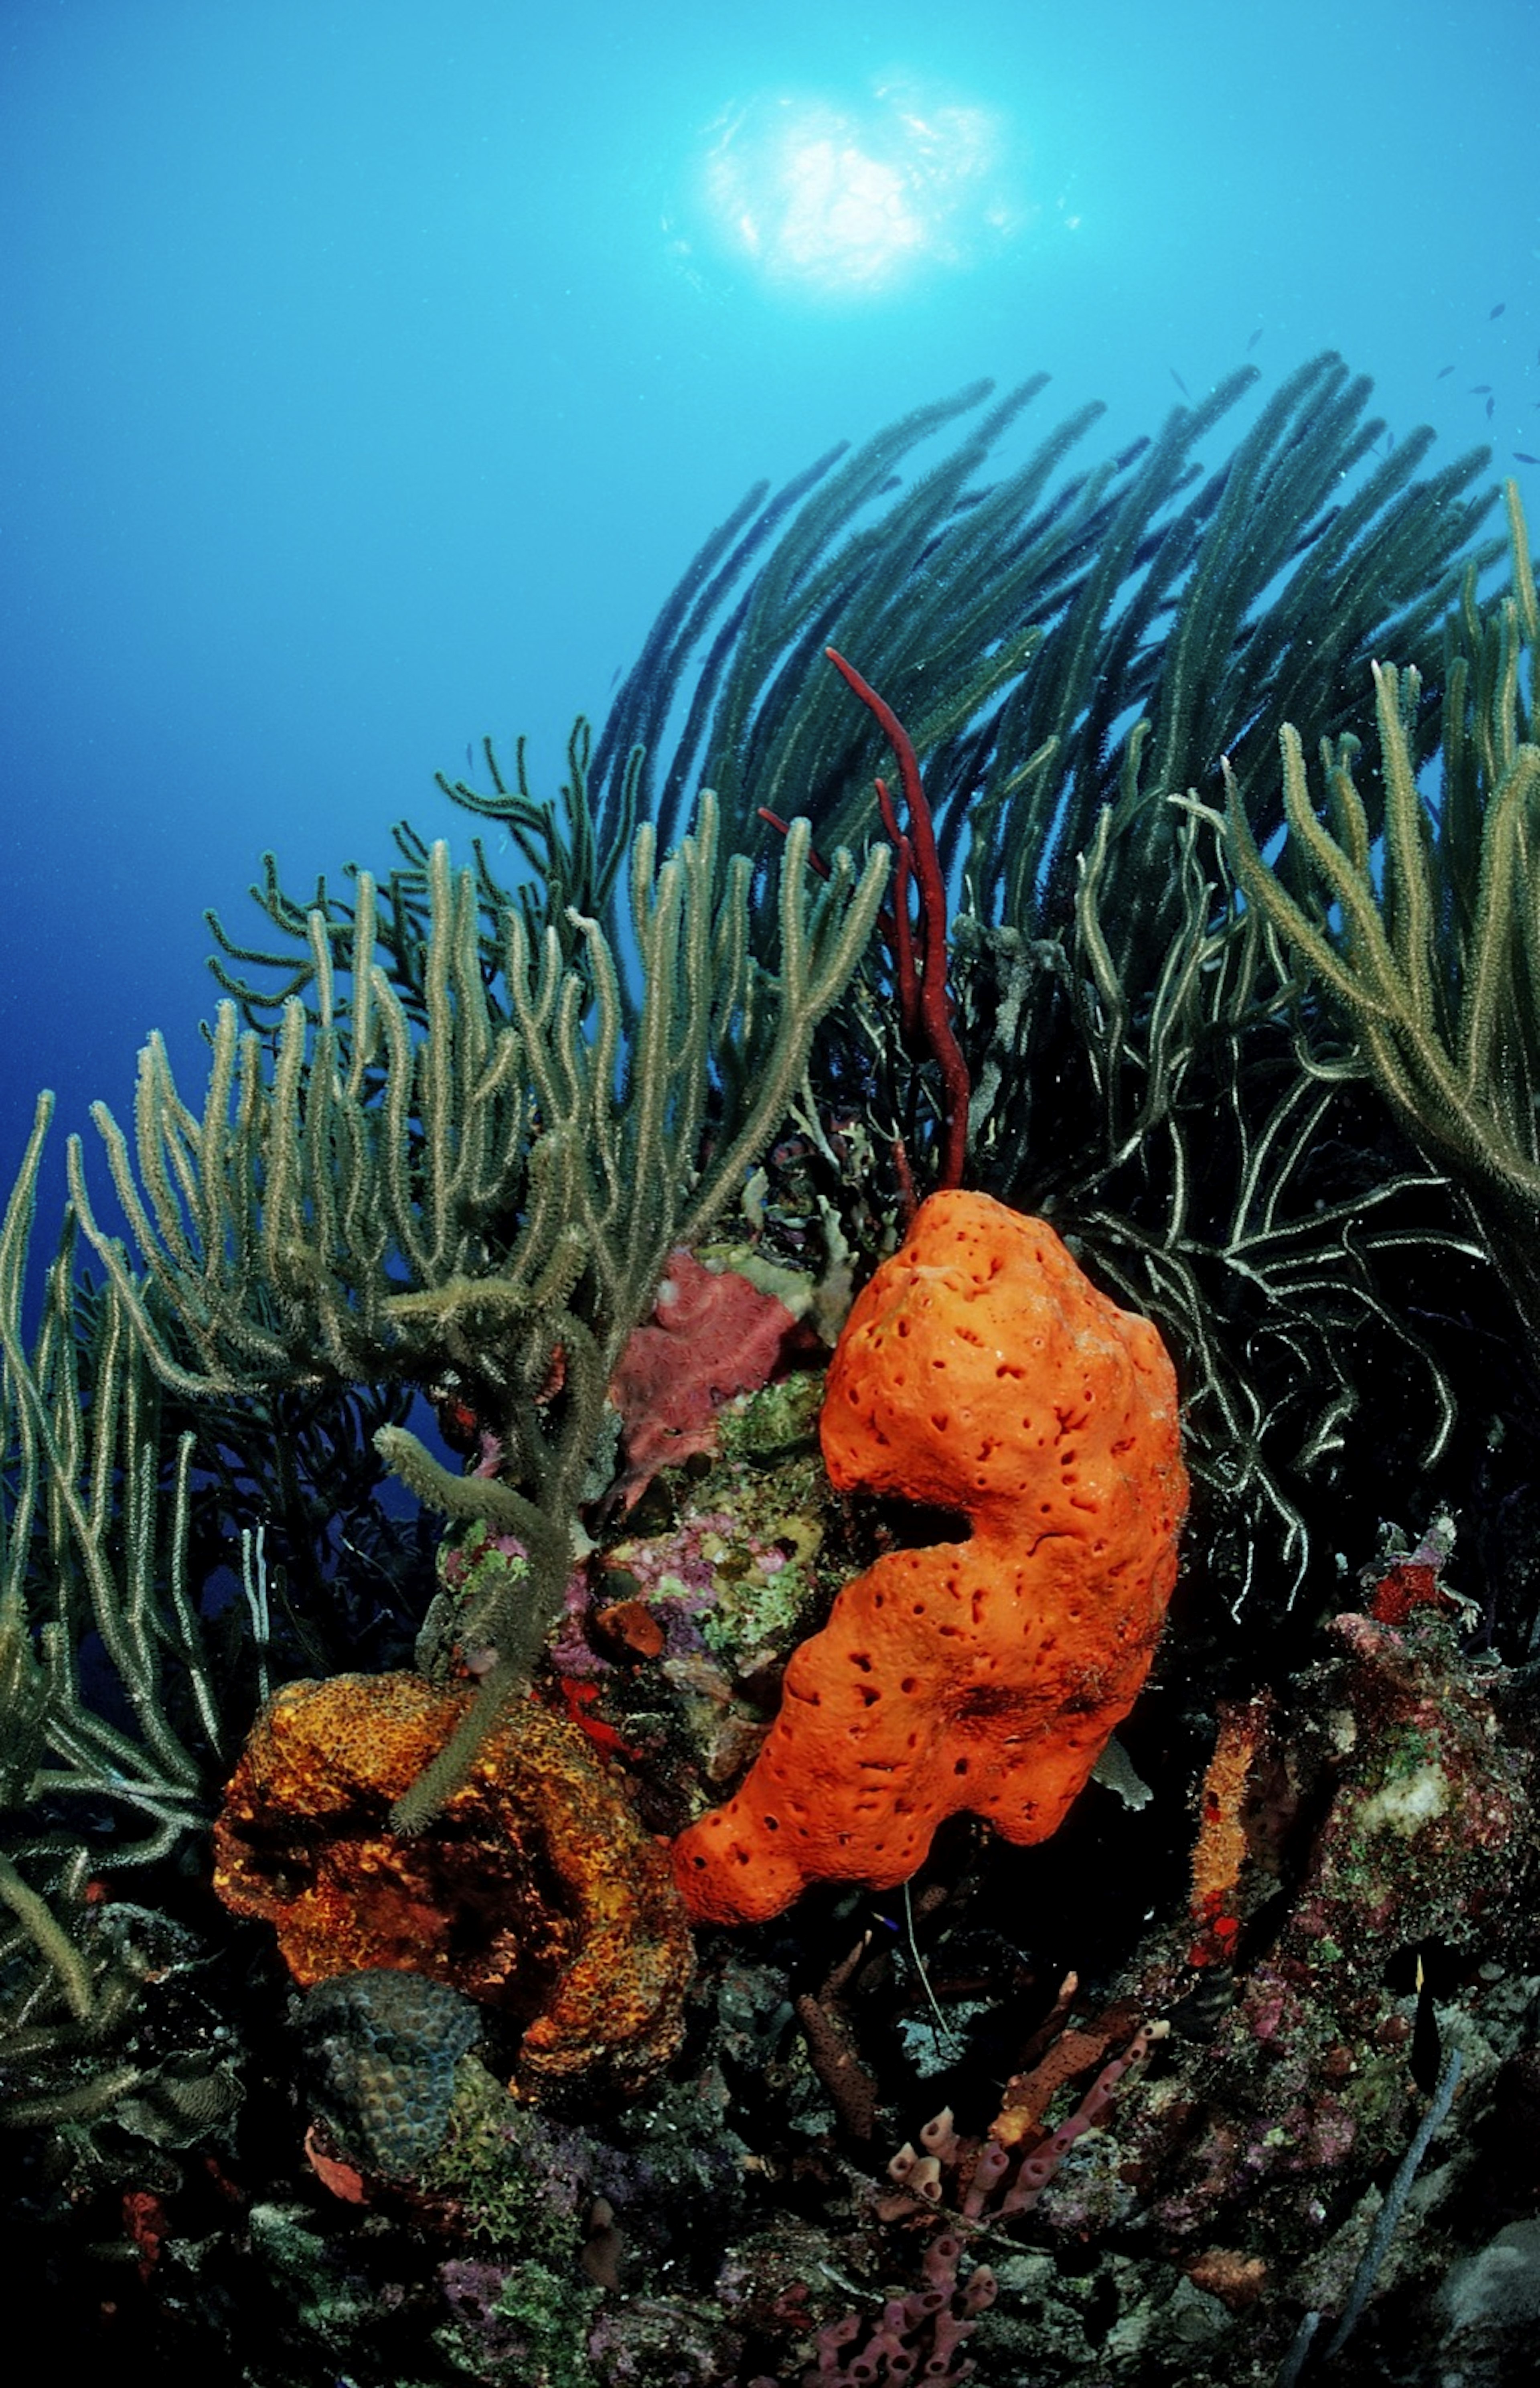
[1430, 1806]
[1388, 1809]
[711, 1334]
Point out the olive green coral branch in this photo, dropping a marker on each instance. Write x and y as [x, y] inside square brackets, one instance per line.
[1438, 977]
[87, 1479]
[1174, 1131]
[631, 1186]
[95, 1534]
[499, 1188]
[1429, 938]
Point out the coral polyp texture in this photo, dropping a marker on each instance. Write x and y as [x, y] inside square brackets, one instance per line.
[979, 1371]
[380, 2055]
[537, 1894]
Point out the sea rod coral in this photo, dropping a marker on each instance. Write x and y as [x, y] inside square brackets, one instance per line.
[498, 1195]
[1424, 935]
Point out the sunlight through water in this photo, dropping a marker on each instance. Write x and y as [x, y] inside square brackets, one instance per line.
[853, 198]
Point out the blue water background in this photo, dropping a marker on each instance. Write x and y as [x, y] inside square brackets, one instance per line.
[371, 368]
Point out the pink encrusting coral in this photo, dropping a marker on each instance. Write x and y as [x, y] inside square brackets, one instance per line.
[979, 1371]
[710, 1335]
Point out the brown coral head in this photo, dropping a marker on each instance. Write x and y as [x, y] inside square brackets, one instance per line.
[538, 1892]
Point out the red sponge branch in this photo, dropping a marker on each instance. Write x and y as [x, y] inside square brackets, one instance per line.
[919, 960]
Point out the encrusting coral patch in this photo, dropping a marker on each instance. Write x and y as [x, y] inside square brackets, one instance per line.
[710, 1334]
[379, 2053]
[538, 1893]
[979, 1371]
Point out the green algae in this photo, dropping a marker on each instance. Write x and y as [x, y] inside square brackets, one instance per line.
[779, 1418]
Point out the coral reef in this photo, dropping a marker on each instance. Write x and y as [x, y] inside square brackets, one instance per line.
[1232, 2083]
[539, 1894]
[506, 1191]
[979, 1371]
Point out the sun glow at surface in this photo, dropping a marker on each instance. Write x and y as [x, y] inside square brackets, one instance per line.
[850, 198]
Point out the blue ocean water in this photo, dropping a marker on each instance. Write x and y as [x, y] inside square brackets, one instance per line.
[371, 368]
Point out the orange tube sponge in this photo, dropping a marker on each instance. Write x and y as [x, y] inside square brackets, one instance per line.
[979, 1371]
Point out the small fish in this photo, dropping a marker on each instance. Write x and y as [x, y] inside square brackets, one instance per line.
[1479, 388]
[1255, 337]
[1444, 372]
[1426, 2042]
[1490, 408]
[1496, 310]
[1177, 379]
[1521, 456]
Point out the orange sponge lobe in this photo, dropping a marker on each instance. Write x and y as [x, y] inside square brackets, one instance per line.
[979, 1371]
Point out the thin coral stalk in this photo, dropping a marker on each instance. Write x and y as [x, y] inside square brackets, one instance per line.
[920, 961]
